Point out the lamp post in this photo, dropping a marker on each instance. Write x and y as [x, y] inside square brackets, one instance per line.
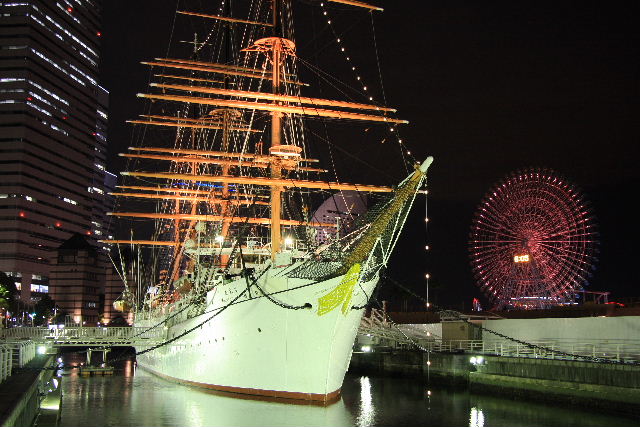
[427, 276]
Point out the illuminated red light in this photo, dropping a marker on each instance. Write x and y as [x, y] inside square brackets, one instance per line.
[99, 34]
[64, 117]
[29, 98]
[22, 214]
[619, 304]
[58, 224]
[69, 9]
[88, 233]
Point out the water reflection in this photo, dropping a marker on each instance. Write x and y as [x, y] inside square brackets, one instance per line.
[133, 397]
[476, 418]
[367, 411]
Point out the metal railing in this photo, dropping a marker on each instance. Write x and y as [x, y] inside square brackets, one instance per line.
[80, 336]
[22, 351]
[563, 349]
[6, 361]
[26, 352]
[400, 336]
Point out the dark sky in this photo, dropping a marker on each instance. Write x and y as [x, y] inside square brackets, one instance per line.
[488, 88]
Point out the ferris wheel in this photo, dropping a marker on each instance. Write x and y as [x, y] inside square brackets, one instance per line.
[533, 241]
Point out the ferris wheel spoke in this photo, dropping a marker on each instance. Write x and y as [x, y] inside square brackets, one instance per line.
[570, 251]
[488, 224]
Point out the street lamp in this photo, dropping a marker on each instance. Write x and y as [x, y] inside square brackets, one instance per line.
[427, 276]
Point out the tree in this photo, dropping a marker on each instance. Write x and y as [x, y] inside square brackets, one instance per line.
[118, 320]
[8, 292]
[8, 295]
[43, 310]
[60, 317]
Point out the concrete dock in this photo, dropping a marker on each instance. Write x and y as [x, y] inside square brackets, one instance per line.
[20, 394]
[607, 386]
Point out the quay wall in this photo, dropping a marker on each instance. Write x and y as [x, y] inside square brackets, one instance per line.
[21, 393]
[451, 369]
[609, 387]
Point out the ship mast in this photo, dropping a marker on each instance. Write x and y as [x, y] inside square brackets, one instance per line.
[226, 116]
[276, 132]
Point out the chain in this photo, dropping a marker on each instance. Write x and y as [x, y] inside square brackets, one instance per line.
[282, 304]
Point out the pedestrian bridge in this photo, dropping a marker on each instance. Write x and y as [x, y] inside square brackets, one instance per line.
[375, 325]
[79, 336]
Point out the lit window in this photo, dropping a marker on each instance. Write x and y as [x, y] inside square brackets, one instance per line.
[10, 80]
[51, 94]
[58, 67]
[73, 202]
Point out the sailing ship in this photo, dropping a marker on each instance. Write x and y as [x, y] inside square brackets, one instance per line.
[256, 295]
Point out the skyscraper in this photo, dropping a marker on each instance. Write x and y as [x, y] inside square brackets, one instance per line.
[53, 116]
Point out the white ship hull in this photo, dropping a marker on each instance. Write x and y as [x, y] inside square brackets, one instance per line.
[257, 347]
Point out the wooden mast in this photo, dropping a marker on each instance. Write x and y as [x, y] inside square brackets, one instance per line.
[276, 132]
[225, 208]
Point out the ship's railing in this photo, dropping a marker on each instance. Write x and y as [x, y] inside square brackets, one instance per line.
[87, 335]
[252, 244]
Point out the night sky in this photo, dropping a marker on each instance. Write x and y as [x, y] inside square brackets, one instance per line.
[488, 88]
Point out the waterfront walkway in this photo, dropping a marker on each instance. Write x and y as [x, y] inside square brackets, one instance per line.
[19, 393]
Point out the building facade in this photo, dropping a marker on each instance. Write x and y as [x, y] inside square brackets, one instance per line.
[76, 281]
[53, 117]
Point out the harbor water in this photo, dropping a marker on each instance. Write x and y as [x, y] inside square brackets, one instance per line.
[134, 397]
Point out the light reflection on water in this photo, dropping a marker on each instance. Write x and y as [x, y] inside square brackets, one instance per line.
[367, 413]
[134, 397]
[476, 418]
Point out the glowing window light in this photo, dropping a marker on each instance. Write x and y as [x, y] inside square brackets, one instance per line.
[68, 200]
[58, 67]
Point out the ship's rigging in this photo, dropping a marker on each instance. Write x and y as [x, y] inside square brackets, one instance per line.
[233, 183]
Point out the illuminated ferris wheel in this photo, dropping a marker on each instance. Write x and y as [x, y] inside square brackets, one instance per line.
[532, 241]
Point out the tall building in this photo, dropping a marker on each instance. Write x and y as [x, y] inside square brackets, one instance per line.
[77, 280]
[53, 117]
